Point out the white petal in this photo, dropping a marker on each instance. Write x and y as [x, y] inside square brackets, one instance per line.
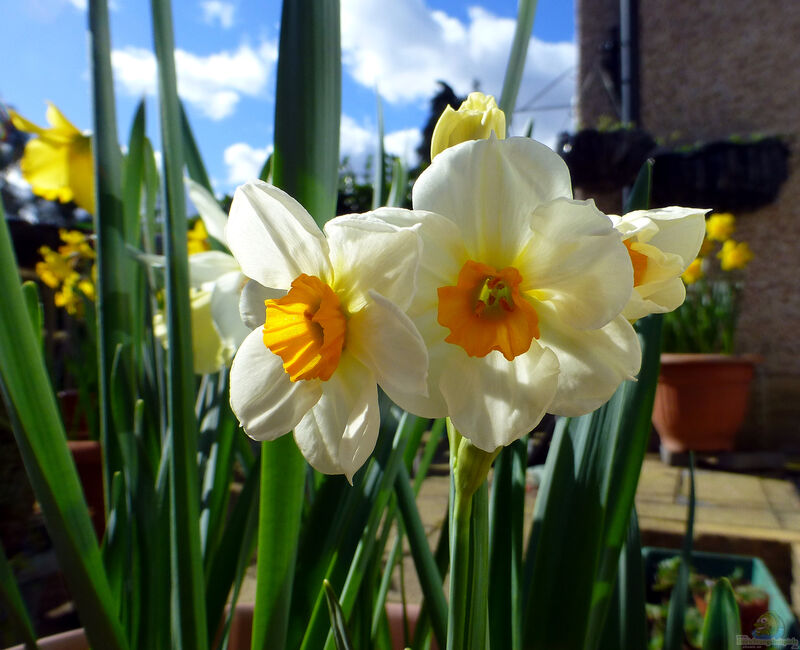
[493, 401]
[680, 230]
[208, 266]
[369, 254]
[593, 363]
[576, 262]
[443, 254]
[339, 433]
[385, 340]
[429, 404]
[489, 189]
[225, 311]
[214, 219]
[267, 403]
[251, 303]
[273, 238]
[661, 298]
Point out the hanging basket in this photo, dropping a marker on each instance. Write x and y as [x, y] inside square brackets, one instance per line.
[604, 161]
[725, 175]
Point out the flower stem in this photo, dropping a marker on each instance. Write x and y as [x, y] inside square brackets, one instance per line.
[459, 571]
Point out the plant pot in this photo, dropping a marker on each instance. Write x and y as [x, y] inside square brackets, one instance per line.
[88, 457]
[239, 638]
[701, 400]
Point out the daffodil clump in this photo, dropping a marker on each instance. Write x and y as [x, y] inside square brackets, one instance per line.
[706, 322]
[57, 161]
[497, 299]
[70, 271]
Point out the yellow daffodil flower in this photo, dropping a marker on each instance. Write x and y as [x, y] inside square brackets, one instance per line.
[58, 162]
[476, 119]
[197, 238]
[328, 324]
[734, 255]
[720, 226]
[662, 244]
[69, 268]
[693, 272]
[519, 294]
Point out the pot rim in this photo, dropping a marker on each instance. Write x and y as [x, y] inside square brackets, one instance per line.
[705, 357]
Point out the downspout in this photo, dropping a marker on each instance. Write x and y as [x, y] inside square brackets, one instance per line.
[629, 60]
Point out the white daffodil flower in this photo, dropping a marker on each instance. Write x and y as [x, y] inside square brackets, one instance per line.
[215, 283]
[329, 322]
[662, 244]
[519, 292]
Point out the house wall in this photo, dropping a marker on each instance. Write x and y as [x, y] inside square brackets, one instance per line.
[707, 71]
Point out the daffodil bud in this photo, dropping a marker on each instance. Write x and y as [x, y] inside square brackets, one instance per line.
[476, 119]
[470, 465]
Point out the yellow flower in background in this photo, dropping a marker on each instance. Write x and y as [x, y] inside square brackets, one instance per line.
[476, 119]
[70, 270]
[734, 255]
[54, 269]
[197, 239]
[706, 247]
[720, 226]
[694, 271]
[58, 162]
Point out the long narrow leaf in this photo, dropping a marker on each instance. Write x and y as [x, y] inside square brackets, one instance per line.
[189, 621]
[516, 59]
[721, 625]
[13, 605]
[308, 102]
[41, 439]
[282, 478]
[673, 634]
[338, 625]
[114, 268]
[379, 178]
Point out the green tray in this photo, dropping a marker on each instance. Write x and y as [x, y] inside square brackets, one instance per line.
[716, 565]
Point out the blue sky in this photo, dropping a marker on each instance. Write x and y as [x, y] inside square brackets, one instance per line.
[226, 68]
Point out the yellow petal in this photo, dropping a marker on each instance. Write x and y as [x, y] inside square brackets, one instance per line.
[476, 119]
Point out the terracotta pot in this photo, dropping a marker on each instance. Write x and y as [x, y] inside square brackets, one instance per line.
[88, 457]
[701, 400]
[239, 638]
[395, 614]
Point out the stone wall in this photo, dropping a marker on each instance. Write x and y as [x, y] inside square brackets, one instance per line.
[711, 70]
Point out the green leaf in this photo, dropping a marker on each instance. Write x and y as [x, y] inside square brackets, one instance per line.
[429, 577]
[673, 634]
[280, 507]
[114, 267]
[13, 605]
[338, 626]
[231, 557]
[516, 59]
[194, 161]
[398, 190]
[305, 162]
[379, 180]
[721, 625]
[626, 623]
[30, 294]
[189, 615]
[41, 439]
[505, 530]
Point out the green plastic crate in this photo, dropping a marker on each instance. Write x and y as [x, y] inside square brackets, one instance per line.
[717, 565]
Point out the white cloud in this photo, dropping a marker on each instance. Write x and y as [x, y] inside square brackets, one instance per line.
[404, 48]
[403, 144]
[213, 84]
[359, 142]
[244, 162]
[219, 11]
[79, 4]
